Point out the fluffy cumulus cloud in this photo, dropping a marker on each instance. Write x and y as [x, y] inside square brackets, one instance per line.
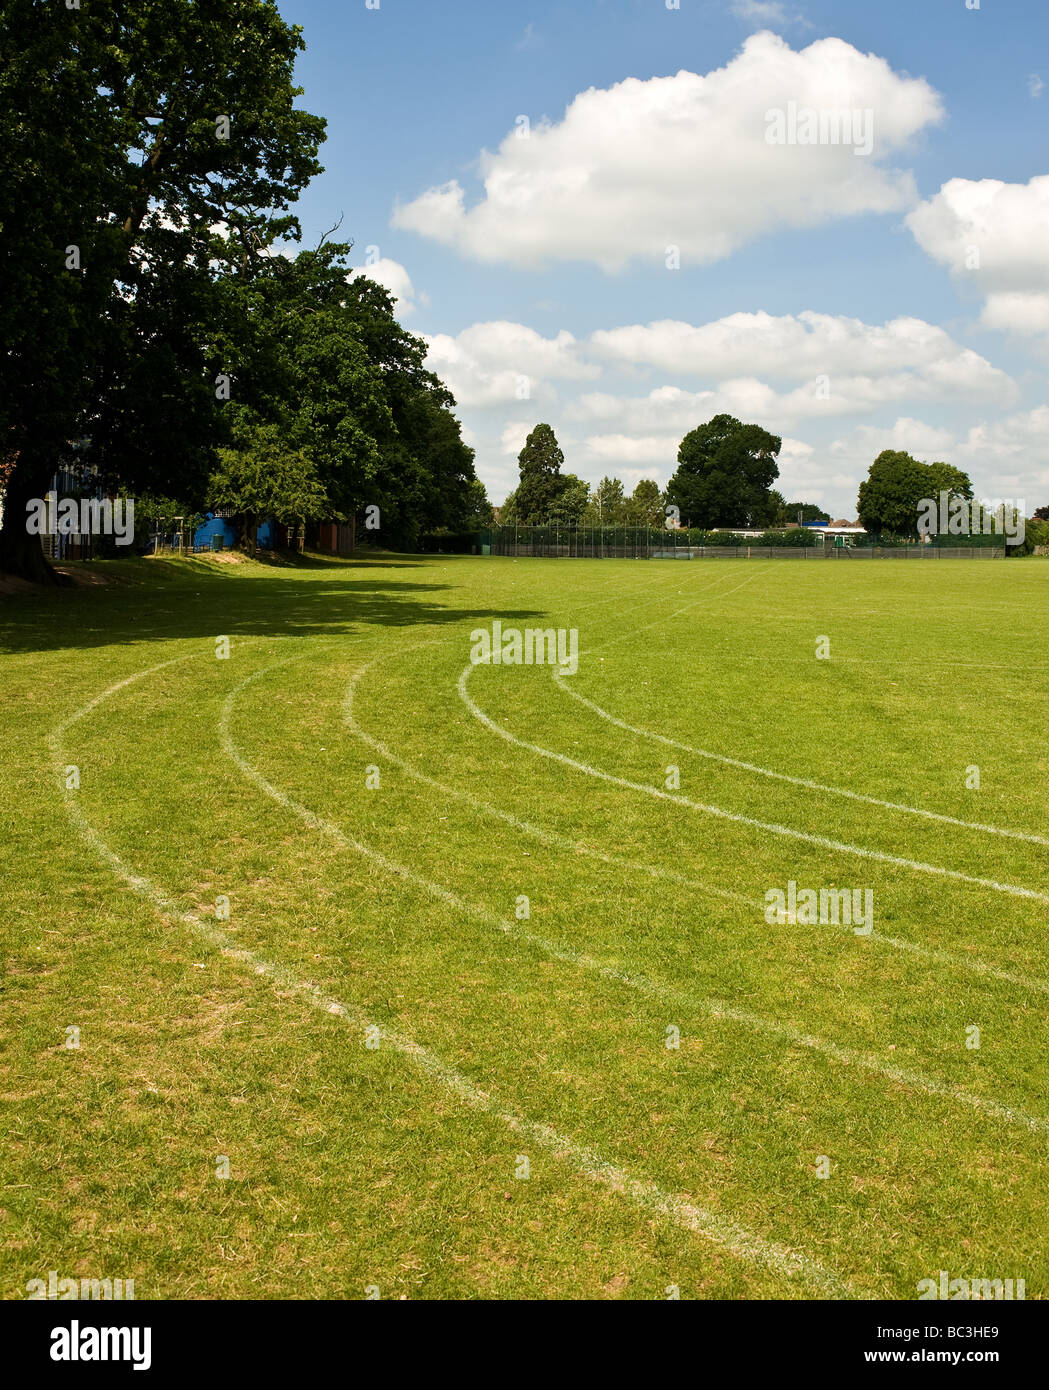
[1007, 457]
[684, 162]
[903, 355]
[794, 374]
[393, 277]
[499, 363]
[750, 398]
[996, 235]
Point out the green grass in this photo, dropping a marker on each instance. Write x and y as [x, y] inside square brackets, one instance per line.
[354, 1166]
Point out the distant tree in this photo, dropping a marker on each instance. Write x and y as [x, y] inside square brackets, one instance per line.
[773, 512]
[897, 483]
[645, 505]
[1041, 514]
[797, 513]
[569, 504]
[508, 512]
[780, 513]
[725, 472]
[889, 495]
[540, 466]
[476, 513]
[607, 505]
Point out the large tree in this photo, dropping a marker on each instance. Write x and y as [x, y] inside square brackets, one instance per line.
[889, 496]
[541, 482]
[149, 145]
[326, 359]
[724, 474]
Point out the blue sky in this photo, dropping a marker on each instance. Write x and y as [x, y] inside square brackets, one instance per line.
[644, 255]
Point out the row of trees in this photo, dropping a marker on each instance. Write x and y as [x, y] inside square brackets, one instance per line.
[151, 154]
[724, 479]
[724, 476]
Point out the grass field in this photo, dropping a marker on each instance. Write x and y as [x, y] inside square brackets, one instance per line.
[509, 1043]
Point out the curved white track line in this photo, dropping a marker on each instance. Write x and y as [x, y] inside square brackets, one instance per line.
[770, 827]
[642, 984]
[719, 1230]
[795, 781]
[975, 965]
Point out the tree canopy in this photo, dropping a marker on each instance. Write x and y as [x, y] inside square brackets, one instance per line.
[895, 485]
[725, 472]
[151, 158]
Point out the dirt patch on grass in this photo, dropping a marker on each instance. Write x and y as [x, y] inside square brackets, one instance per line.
[85, 578]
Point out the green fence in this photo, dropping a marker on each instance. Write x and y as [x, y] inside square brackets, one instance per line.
[648, 543]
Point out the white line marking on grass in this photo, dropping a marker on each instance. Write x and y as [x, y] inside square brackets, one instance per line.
[546, 837]
[769, 826]
[795, 781]
[973, 964]
[642, 984]
[780, 1259]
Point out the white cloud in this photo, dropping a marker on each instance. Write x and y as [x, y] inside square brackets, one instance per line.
[995, 234]
[683, 161]
[1008, 457]
[1035, 85]
[749, 398]
[513, 437]
[498, 363]
[759, 11]
[627, 449]
[393, 277]
[1011, 456]
[808, 345]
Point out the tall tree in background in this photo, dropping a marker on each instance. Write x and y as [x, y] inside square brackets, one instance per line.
[724, 474]
[541, 482]
[147, 147]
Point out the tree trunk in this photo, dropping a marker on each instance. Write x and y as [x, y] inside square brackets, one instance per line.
[21, 554]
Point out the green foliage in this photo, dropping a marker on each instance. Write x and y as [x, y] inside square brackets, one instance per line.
[111, 157]
[725, 473]
[895, 485]
[541, 483]
[793, 535]
[645, 505]
[716, 538]
[607, 505]
[570, 501]
[475, 513]
[163, 514]
[794, 513]
[944, 477]
[260, 476]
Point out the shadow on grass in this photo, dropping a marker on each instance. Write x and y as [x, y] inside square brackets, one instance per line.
[166, 600]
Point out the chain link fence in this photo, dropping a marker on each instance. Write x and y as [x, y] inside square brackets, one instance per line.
[648, 543]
